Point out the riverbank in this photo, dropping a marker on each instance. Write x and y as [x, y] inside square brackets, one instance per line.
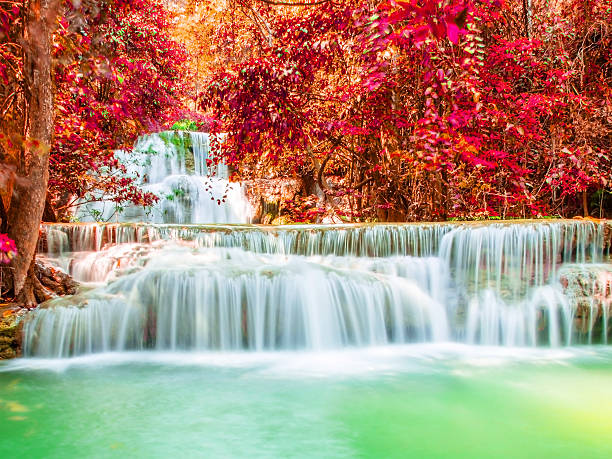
[55, 284]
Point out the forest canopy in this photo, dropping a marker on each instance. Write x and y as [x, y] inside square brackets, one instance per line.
[422, 110]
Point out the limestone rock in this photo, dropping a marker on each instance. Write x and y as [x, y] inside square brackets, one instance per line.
[589, 291]
[266, 196]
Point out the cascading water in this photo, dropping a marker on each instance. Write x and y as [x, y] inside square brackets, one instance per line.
[245, 287]
[182, 283]
[179, 169]
[231, 300]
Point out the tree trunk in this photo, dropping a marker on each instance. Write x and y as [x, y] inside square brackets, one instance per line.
[585, 204]
[49, 214]
[29, 193]
[527, 17]
[4, 222]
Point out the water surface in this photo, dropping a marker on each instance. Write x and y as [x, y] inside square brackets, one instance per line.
[431, 400]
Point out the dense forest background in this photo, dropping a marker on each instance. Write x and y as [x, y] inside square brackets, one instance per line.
[386, 110]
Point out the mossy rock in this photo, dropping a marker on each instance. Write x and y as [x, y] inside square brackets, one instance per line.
[282, 220]
[10, 333]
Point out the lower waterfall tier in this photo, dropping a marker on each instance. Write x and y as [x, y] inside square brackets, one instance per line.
[170, 296]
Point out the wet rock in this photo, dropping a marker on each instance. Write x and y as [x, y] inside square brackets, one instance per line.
[56, 281]
[589, 291]
[10, 331]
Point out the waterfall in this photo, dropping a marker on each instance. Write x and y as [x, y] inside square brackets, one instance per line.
[230, 301]
[313, 287]
[179, 168]
[359, 240]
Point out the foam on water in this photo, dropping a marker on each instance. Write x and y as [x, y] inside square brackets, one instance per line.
[421, 358]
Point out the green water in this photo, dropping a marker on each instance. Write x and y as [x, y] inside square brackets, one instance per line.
[412, 401]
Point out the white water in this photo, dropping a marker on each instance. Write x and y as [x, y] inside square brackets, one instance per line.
[231, 288]
[231, 300]
[180, 170]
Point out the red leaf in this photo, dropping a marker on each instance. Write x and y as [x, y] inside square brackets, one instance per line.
[452, 32]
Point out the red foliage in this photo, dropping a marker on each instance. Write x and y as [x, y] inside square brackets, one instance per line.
[119, 74]
[427, 109]
[397, 110]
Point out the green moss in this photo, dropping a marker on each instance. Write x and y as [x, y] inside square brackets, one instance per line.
[9, 336]
[182, 144]
[282, 220]
[185, 125]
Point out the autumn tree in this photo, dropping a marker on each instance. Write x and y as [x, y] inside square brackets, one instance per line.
[79, 81]
[119, 73]
[28, 132]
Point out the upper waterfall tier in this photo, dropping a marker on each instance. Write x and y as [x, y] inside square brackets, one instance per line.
[546, 242]
[180, 169]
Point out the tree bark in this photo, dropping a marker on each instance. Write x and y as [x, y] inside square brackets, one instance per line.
[3, 217]
[49, 214]
[29, 193]
[527, 15]
[585, 204]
